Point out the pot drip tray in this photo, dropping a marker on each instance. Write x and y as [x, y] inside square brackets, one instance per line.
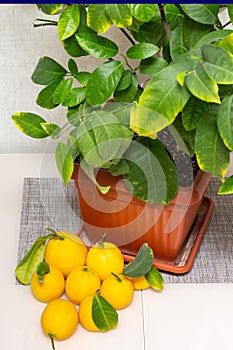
[184, 261]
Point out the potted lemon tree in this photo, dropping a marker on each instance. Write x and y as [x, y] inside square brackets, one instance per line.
[144, 147]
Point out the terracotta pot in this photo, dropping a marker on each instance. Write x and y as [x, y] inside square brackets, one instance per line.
[129, 222]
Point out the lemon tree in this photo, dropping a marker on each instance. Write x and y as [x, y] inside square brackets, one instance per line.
[47, 283]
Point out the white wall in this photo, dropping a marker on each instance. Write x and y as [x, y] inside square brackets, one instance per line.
[21, 46]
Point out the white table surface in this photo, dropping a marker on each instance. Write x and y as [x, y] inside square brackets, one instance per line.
[181, 317]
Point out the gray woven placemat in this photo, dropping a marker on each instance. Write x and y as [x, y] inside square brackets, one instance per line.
[46, 202]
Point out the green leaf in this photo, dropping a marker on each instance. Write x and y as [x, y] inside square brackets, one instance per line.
[119, 14]
[227, 186]
[51, 9]
[74, 97]
[34, 256]
[230, 11]
[173, 15]
[225, 121]
[152, 175]
[89, 170]
[191, 37]
[103, 82]
[97, 46]
[42, 269]
[97, 18]
[218, 64]
[155, 279]
[141, 51]
[73, 48]
[30, 124]
[104, 315]
[226, 43]
[159, 104]
[101, 138]
[149, 32]
[120, 168]
[201, 85]
[192, 112]
[202, 13]
[141, 264]
[125, 81]
[152, 65]
[61, 89]
[212, 154]
[68, 22]
[213, 36]
[51, 129]
[45, 96]
[83, 77]
[143, 12]
[73, 68]
[64, 161]
[47, 71]
[128, 94]
[177, 44]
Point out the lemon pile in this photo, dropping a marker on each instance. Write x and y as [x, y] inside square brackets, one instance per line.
[73, 280]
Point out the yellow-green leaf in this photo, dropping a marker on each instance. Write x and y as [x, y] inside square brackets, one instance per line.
[227, 186]
[155, 279]
[68, 22]
[119, 14]
[201, 85]
[97, 18]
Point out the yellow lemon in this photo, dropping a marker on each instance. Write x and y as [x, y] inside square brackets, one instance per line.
[139, 283]
[85, 315]
[81, 282]
[48, 286]
[117, 290]
[59, 319]
[105, 258]
[66, 253]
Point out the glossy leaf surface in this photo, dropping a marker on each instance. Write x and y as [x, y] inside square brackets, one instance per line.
[202, 13]
[152, 175]
[97, 46]
[119, 14]
[202, 85]
[225, 121]
[103, 82]
[47, 71]
[212, 154]
[33, 257]
[104, 315]
[68, 22]
[155, 279]
[98, 19]
[142, 51]
[141, 264]
[64, 161]
[30, 124]
[227, 186]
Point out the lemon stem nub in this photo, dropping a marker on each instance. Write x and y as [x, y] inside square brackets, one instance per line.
[54, 232]
[102, 240]
[117, 276]
[51, 336]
